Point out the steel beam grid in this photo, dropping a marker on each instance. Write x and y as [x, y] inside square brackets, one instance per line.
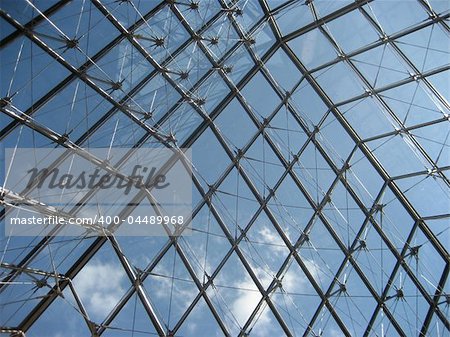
[394, 188]
[299, 184]
[93, 249]
[288, 165]
[396, 191]
[403, 130]
[33, 22]
[330, 228]
[273, 147]
[103, 119]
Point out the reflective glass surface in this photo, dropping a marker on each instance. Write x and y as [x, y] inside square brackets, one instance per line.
[320, 142]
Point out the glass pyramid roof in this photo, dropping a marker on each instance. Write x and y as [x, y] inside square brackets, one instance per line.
[320, 141]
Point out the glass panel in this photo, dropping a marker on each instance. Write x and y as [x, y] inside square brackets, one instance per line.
[200, 321]
[414, 103]
[250, 13]
[235, 125]
[325, 7]
[283, 70]
[344, 215]
[381, 66]
[329, 131]
[101, 283]
[296, 299]
[321, 255]
[73, 111]
[435, 141]
[355, 305]
[339, 82]
[287, 239]
[413, 311]
[212, 91]
[181, 123]
[68, 32]
[264, 249]
[120, 70]
[393, 219]
[235, 203]
[5, 29]
[220, 37]
[439, 6]
[23, 63]
[127, 12]
[234, 295]
[209, 171]
[24, 13]
[441, 84]
[425, 48]
[291, 209]
[363, 178]
[293, 17]
[132, 317]
[189, 66]
[67, 310]
[398, 155]
[260, 96]
[240, 62]
[207, 246]
[262, 165]
[313, 49]
[264, 39]
[286, 133]
[314, 172]
[276, 3]
[425, 262]
[154, 100]
[351, 31]
[368, 118]
[309, 105]
[161, 35]
[170, 272]
[391, 16]
[428, 194]
[375, 258]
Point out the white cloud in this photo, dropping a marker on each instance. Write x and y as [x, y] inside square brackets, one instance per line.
[245, 303]
[247, 300]
[100, 287]
[293, 283]
[183, 295]
[335, 333]
[273, 238]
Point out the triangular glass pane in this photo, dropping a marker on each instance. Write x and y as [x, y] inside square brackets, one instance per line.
[66, 310]
[207, 245]
[200, 322]
[132, 319]
[101, 283]
[170, 288]
[234, 294]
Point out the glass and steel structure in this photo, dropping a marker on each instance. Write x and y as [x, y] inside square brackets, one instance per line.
[320, 141]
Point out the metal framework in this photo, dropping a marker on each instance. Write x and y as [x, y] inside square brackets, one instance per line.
[324, 208]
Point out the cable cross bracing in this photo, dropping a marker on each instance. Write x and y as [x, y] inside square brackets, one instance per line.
[320, 182]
